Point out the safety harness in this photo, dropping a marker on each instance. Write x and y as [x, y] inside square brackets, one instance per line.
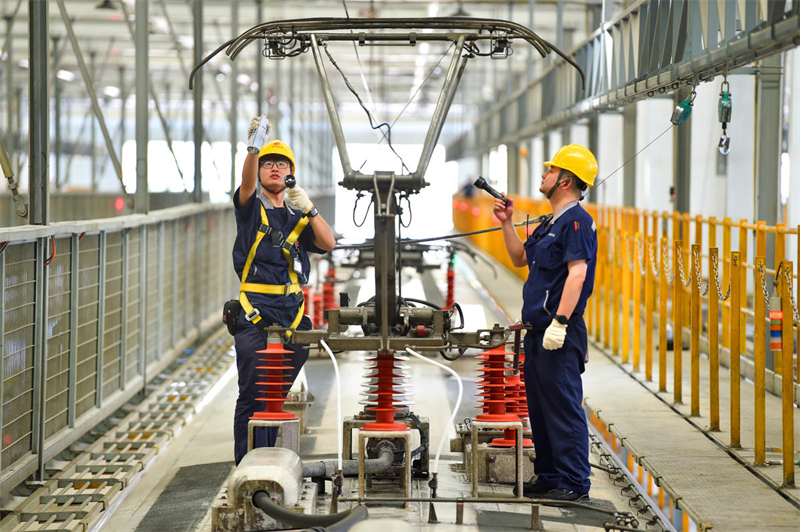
[293, 287]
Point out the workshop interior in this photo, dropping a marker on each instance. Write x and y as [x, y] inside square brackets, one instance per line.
[384, 265]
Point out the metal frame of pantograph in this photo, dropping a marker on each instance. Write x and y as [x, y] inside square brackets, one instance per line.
[652, 48]
[386, 324]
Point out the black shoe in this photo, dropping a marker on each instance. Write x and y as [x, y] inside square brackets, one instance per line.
[534, 489]
[562, 494]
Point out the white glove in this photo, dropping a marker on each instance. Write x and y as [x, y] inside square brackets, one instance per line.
[299, 197]
[257, 133]
[554, 336]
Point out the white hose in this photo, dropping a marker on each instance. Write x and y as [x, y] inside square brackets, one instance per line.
[338, 398]
[435, 469]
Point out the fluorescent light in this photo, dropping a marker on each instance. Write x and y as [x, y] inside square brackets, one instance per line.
[243, 79]
[424, 47]
[433, 9]
[23, 63]
[65, 75]
[254, 86]
[420, 61]
[111, 91]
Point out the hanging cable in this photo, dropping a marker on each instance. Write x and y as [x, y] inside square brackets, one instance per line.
[338, 398]
[53, 247]
[634, 156]
[410, 351]
[358, 197]
[373, 123]
[410, 212]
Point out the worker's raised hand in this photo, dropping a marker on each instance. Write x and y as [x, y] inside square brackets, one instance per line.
[502, 212]
[554, 336]
[299, 197]
[257, 133]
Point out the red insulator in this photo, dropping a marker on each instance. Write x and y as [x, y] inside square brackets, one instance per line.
[273, 384]
[306, 298]
[316, 302]
[513, 394]
[329, 290]
[421, 331]
[493, 387]
[385, 366]
[451, 283]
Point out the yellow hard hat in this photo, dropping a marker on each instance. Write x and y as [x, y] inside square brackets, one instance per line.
[578, 160]
[277, 147]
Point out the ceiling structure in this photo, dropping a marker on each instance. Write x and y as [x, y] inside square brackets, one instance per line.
[392, 74]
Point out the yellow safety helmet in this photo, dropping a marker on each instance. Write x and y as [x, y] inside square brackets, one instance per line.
[277, 147]
[578, 160]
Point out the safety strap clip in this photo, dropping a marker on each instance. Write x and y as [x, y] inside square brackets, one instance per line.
[250, 316]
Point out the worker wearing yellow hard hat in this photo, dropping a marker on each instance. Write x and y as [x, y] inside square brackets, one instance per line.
[561, 255]
[277, 227]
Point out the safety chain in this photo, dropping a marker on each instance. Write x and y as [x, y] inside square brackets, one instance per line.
[653, 266]
[763, 275]
[684, 281]
[641, 256]
[699, 277]
[788, 276]
[667, 270]
[719, 286]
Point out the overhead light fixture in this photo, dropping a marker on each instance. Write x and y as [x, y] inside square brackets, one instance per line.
[112, 91]
[65, 75]
[105, 4]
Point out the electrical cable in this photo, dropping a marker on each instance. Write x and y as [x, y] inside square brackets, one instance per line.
[633, 156]
[53, 256]
[338, 398]
[373, 123]
[410, 351]
[358, 197]
[263, 501]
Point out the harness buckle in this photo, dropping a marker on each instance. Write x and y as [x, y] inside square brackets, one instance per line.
[267, 230]
[250, 316]
[285, 245]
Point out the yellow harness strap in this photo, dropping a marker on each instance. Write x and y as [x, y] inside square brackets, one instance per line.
[292, 288]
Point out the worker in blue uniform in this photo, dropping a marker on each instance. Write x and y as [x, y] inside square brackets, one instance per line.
[561, 255]
[276, 229]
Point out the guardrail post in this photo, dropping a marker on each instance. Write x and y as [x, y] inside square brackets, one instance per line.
[713, 337]
[607, 267]
[626, 297]
[726, 278]
[694, 343]
[734, 323]
[648, 310]
[760, 364]
[637, 302]
[787, 383]
[742, 286]
[662, 318]
[615, 302]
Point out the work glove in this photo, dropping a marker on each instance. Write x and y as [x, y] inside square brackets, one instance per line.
[257, 133]
[299, 197]
[554, 336]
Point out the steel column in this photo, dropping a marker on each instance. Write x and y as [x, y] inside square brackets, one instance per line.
[101, 318]
[197, 6]
[39, 115]
[259, 61]
[57, 113]
[235, 96]
[74, 297]
[142, 203]
[682, 160]
[87, 80]
[768, 134]
[40, 356]
[628, 152]
[594, 147]
[92, 125]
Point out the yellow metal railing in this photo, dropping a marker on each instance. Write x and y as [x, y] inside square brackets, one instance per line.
[648, 261]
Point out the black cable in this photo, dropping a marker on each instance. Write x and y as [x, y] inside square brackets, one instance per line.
[262, 500]
[457, 307]
[358, 197]
[373, 123]
[410, 212]
[423, 302]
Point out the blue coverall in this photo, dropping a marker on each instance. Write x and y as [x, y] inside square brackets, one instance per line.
[268, 267]
[553, 378]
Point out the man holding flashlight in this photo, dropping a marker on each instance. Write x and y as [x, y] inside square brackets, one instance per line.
[561, 257]
[276, 229]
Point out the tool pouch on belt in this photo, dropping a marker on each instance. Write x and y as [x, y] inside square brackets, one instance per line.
[231, 311]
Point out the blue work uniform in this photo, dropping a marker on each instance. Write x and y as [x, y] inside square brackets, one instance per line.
[553, 377]
[269, 267]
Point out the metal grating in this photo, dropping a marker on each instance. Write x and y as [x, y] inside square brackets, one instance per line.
[88, 308]
[59, 302]
[153, 278]
[19, 290]
[112, 339]
[133, 289]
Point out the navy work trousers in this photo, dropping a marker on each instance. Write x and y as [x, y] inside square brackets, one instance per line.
[558, 423]
[249, 340]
